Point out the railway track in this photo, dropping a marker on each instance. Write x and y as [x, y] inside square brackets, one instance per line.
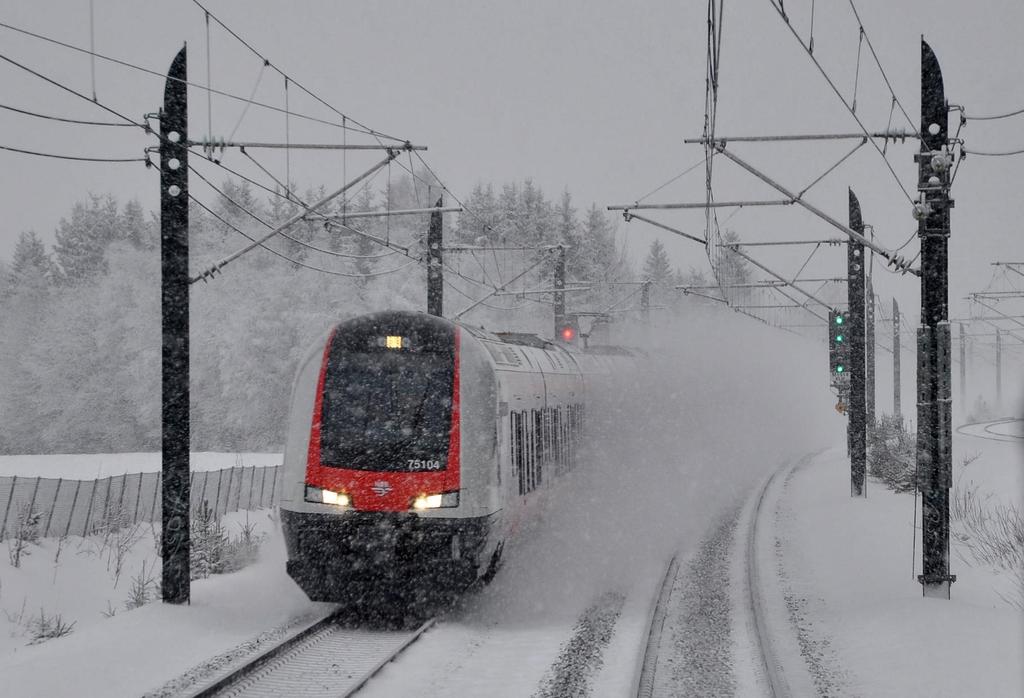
[329, 658]
[776, 682]
[647, 665]
[990, 430]
[757, 536]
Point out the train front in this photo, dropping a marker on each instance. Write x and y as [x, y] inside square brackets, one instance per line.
[374, 496]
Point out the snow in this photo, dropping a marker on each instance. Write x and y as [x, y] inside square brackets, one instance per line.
[864, 608]
[858, 604]
[137, 650]
[701, 438]
[88, 466]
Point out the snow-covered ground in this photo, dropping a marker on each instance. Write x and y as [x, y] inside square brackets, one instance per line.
[846, 573]
[666, 475]
[849, 571]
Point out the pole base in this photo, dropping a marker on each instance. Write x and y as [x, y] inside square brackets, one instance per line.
[936, 587]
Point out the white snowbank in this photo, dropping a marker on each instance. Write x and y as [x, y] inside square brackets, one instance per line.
[851, 574]
[89, 466]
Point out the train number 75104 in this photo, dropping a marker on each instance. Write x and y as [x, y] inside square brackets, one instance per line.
[417, 464]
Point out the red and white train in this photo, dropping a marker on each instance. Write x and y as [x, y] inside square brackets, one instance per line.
[416, 444]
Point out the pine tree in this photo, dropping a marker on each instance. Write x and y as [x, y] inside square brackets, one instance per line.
[481, 221]
[82, 241]
[135, 229]
[362, 246]
[732, 269]
[31, 263]
[657, 268]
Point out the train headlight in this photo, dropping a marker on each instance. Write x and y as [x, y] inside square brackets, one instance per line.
[319, 496]
[436, 501]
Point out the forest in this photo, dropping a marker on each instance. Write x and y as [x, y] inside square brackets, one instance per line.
[80, 320]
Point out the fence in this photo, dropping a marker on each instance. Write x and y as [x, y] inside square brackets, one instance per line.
[80, 507]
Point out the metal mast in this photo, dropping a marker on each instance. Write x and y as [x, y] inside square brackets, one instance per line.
[174, 322]
[934, 403]
[435, 261]
[855, 331]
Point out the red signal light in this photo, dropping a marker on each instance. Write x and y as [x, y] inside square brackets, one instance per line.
[568, 333]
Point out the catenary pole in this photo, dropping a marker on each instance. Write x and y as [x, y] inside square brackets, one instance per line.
[435, 263]
[559, 295]
[896, 408]
[934, 402]
[869, 351]
[855, 336]
[174, 282]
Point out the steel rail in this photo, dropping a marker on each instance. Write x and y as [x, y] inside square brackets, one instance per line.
[245, 679]
[778, 687]
[647, 663]
[986, 427]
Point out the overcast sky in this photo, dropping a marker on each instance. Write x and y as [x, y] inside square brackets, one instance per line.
[593, 95]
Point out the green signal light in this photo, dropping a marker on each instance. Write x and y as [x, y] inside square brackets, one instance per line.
[839, 337]
[839, 320]
[840, 369]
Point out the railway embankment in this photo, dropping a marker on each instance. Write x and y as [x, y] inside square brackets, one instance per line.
[838, 578]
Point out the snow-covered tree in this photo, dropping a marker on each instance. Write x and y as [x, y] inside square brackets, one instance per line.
[82, 240]
[31, 263]
[657, 269]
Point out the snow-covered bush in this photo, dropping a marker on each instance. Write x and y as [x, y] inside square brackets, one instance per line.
[215, 551]
[47, 627]
[208, 541]
[26, 532]
[992, 532]
[144, 588]
[892, 453]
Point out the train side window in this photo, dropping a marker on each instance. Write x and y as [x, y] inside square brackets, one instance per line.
[527, 449]
[541, 446]
[515, 449]
[521, 453]
[556, 437]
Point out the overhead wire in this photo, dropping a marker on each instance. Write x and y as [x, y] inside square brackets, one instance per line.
[65, 119]
[274, 192]
[338, 254]
[78, 94]
[365, 129]
[835, 89]
[996, 154]
[258, 219]
[360, 128]
[881, 69]
[286, 257]
[163, 76]
[249, 103]
[59, 156]
[993, 117]
[672, 181]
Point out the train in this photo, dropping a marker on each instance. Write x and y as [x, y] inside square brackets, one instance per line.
[416, 446]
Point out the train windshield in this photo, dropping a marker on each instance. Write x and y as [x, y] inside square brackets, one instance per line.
[387, 409]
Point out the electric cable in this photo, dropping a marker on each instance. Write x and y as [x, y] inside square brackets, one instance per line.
[163, 76]
[66, 120]
[842, 99]
[984, 153]
[993, 117]
[286, 257]
[258, 219]
[71, 157]
[365, 129]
